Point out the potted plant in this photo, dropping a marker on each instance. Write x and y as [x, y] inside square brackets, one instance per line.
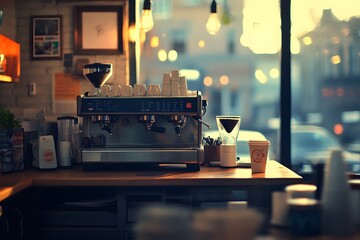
[11, 142]
[7, 119]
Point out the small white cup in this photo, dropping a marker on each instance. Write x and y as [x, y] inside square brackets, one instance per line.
[116, 91]
[105, 90]
[127, 91]
[139, 90]
[228, 155]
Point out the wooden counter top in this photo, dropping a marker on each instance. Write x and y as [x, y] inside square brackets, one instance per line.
[276, 174]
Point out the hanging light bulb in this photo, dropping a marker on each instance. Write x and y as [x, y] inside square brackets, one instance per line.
[147, 21]
[213, 24]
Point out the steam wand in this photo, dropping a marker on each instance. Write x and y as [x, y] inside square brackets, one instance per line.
[202, 122]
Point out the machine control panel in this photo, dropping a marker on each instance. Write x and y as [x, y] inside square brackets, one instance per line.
[140, 105]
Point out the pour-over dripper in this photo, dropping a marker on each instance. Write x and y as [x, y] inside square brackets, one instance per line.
[97, 74]
[229, 127]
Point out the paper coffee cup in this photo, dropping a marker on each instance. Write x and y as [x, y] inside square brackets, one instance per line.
[258, 155]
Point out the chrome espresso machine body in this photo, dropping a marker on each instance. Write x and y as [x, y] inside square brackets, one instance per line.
[142, 130]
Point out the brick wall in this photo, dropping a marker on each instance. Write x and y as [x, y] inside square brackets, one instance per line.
[15, 96]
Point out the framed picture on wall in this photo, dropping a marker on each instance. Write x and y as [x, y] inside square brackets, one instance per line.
[98, 30]
[46, 37]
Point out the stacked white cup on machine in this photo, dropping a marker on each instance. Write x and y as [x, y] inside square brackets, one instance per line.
[183, 86]
[116, 91]
[174, 83]
[127, 91]
[166, 88]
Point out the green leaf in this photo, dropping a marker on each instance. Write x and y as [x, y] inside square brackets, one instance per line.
[7, 119]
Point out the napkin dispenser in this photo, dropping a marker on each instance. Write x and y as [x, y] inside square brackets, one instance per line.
[44, 152]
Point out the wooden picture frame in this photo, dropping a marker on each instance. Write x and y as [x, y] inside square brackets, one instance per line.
[46, 37]
[98, 30]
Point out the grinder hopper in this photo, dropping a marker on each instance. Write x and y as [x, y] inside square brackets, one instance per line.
[97, 74]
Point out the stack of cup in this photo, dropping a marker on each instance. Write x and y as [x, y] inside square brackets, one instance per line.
[174, 83]
[166, 89]
[127, 91]
[183, 86]
[65, 125]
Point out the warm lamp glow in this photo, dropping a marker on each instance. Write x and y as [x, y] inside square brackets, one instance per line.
[162, 55]
[154, 42]
[307, 41]
[201, 44]
[335, 59]
[172, 55]
[274, 73]
[224, 80]
[260, 76]
[147, 22]
[11, 51]
[213, 23]
[132, 33]
[208, 81]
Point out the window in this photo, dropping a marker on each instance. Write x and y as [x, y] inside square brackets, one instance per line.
[325, 49]
[231, 42]
[179, 41]
[239, 68]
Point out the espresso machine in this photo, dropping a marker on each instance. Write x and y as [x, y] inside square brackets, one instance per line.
[139, 130]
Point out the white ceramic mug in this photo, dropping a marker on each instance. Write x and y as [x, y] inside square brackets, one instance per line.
[228, 155]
